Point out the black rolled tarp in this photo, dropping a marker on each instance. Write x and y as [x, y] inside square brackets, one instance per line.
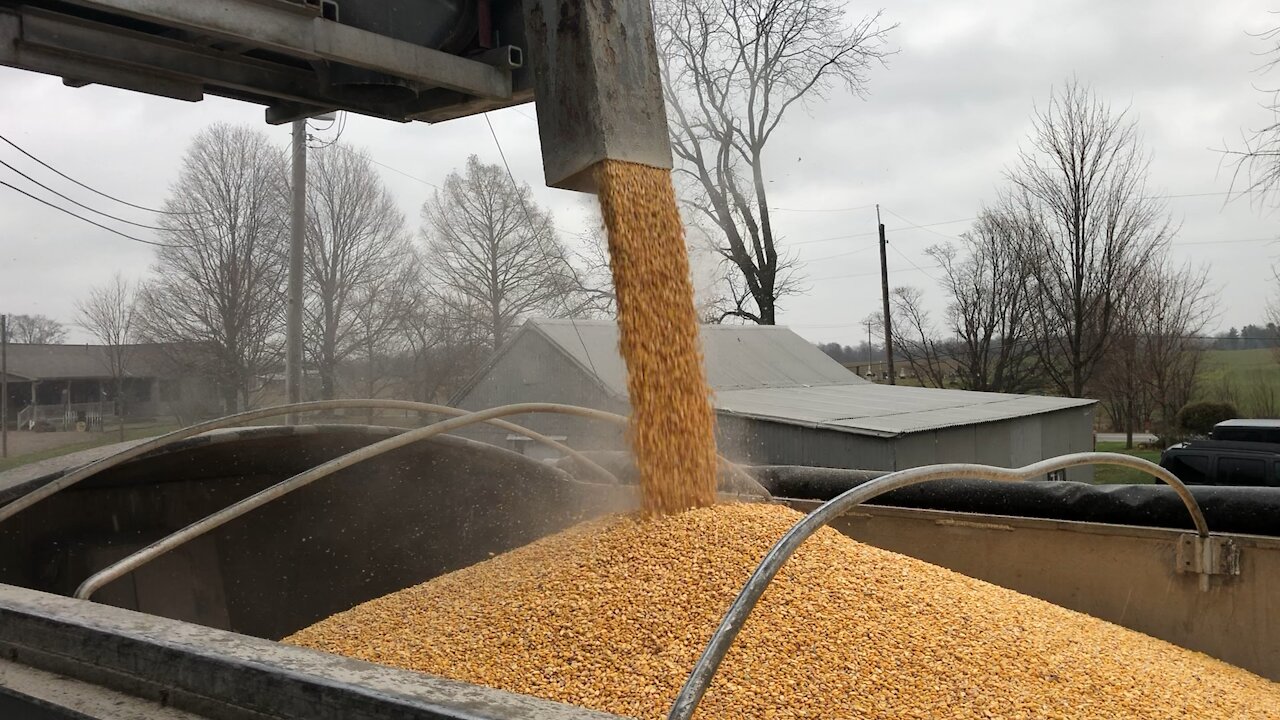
[1248, 510]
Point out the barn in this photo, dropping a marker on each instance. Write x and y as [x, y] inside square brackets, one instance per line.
[778, 400]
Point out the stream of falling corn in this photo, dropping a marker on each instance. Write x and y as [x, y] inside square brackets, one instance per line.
[672, 431]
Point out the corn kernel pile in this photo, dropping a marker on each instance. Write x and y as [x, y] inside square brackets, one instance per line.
[612, 615]
[672, 431]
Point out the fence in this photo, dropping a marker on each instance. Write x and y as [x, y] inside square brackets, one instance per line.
[65, 416]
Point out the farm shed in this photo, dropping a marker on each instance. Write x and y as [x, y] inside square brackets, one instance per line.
[778, 400]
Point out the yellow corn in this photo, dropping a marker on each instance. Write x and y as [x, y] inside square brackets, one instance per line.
[612, 614]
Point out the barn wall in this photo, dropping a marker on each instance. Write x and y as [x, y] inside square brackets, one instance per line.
[770, 443]
[1007, 443]
[533, 370]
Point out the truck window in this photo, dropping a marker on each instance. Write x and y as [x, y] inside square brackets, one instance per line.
[1241, 471]
[1190, 469]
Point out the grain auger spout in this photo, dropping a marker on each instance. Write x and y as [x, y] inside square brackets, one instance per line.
[597, 85]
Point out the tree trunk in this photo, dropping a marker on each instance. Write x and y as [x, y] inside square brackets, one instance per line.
[328, 384]
[766, 310]
[120, 402]
[229, 398]
[1128, 422]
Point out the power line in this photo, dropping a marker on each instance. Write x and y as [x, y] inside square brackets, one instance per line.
[822, 210]
[876, 232]
[1221, 242]
[428, 183]
[86, 187]
[837, 255]
[926, 227]
[913, 263]
[39, 184]
[865, 207]
[342, 126]
[92, 222]
[876, 273]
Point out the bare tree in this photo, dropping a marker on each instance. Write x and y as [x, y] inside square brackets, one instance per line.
[588, 272]
[988, 310]
[109, 314]
[1091, 229]
[1257, 160]
[446, 345]
[35, 330]
[383, 312]
[917, 340]
[984, 344]
[357, 252]
[1180, 304]
[218, 289]
[493, 251]
[1118, 380]
[731, 70]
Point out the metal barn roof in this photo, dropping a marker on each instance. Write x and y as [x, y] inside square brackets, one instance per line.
[884, 410]
[770, 373]
[736, 356]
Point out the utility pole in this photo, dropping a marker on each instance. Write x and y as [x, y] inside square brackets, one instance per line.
[4, 386]
[297, 227]
[884, 291]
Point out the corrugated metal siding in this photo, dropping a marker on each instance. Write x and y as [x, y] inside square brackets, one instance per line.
[993, 442]
[769, 443]
[1010, 443]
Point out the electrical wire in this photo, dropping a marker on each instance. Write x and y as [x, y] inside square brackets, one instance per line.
[838, 255]
[63, 175]
[865, 207]
[872, 233]
[320, 145]
[876, 273]
[92, 222]
[822, 210]
[912, 262]
[926, 227]
[401, 172]
[77, 203]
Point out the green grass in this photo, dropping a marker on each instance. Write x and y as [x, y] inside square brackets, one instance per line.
[1248, 379]
[98, 440]
[1113, 475]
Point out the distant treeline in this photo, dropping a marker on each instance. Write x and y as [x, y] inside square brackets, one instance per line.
[1249, 337]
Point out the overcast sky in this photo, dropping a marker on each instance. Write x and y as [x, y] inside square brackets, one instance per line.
[929, 143]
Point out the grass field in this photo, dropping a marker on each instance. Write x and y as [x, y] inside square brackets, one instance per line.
[1113, 475]
[1248, 379]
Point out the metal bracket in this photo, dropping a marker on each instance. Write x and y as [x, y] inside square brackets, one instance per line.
[1205, 556]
